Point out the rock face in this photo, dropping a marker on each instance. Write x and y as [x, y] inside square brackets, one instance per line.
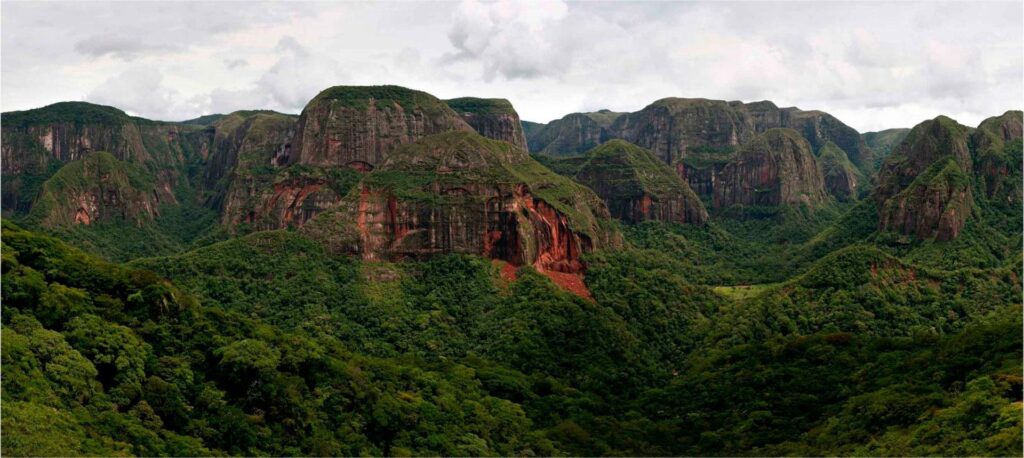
[675, 128]
[936, 205]
[572, 135]
[247, 181]
[460, 192]
[358, 126]
[493, 118]
[820, 128]
[36, 143]
[98, 188]
[530, 129]
[841, 178]
[924, 187]
[637, 186]
[997, 157]
[775, 168]
[700, 136]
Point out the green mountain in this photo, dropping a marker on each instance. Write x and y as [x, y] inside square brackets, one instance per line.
[637, 186]
[389, 273]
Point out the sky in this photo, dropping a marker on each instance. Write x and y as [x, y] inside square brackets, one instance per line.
[874, 65]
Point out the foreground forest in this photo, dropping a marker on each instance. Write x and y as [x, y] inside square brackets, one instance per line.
[250, 285]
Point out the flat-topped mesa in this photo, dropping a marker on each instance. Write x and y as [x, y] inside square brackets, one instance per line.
[459, 192]
[98, 188]
[637, 186]
[573, 134]
[493, 118]
[775, 168]
[672, 127]
[358, 126]
[924, 187]
[841, 178]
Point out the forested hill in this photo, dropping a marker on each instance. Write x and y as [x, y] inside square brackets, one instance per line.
[269, 345]
[389, 273]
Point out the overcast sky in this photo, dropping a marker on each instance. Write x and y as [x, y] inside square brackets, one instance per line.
[873, 65]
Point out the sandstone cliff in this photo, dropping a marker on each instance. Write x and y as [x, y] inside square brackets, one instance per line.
[36, 143]
[775, 168]
[98, 188]
[574, 134]
[251, 185]
[997, 157]
[637, 186]
[924, 187]
[460, 192]
[358, 126]
[935, 205]
[841, 178]
[493, 118]
[673, 128]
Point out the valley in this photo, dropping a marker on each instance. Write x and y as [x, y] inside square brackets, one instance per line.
[390, 273]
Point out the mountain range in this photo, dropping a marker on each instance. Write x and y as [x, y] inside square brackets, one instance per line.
[390, 273]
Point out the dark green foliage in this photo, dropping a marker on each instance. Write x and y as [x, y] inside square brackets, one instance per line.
[80, 113]
[287, 350]
[359, 96]
[481, 106]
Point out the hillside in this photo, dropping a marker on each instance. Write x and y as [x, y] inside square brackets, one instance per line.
[389, 273]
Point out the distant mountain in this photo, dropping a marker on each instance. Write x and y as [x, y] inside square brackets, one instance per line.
[572, 135]
[637, 186]
[493, 118]
[776, 167]
[883, 142]
[928, 186]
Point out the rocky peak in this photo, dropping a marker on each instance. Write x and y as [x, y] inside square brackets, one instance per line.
[637, 186]
[358, 126]
[775, 168]
[492, 118]
[926, 143]
[997, 157]
[841, 178]
[924, 187]
[460, 192]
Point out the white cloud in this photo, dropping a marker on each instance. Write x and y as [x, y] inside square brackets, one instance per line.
[874, 65]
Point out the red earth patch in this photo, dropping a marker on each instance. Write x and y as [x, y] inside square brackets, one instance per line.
[570, 282]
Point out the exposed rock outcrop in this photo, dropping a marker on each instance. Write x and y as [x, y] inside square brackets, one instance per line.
[841, 178]
[924, 187]
[775, 168]
[935, 205]
[574, 134]
[997, 157]
[674, 128]
[358, 126]
[460, 192]
[250, 182]
[36, 143]
[637, 186]
[99, 188]
[493, 118]
[925, 144]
